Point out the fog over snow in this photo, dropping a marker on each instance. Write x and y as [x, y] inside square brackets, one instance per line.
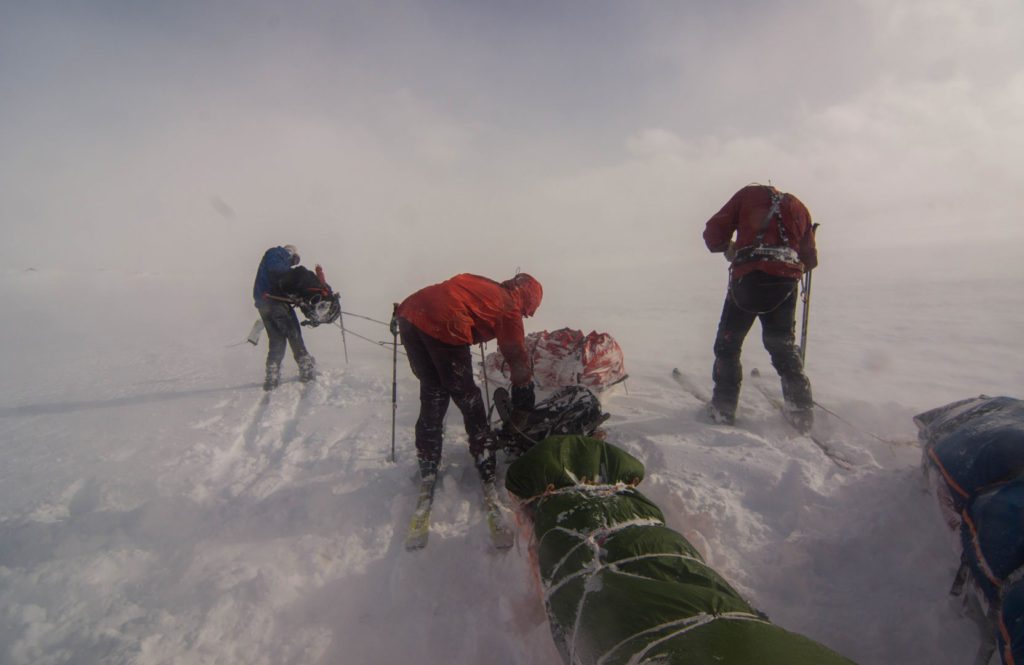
[156, 507]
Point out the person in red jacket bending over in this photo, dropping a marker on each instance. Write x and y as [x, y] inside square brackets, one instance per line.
[437, 325]
[773, 246]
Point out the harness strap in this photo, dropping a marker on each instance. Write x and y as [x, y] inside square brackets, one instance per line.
[777, 197]
[781, 253]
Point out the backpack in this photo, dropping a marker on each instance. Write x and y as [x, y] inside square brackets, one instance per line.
[313, 296]
[569, 410]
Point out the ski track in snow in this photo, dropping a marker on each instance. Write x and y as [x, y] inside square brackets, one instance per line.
[159, 507]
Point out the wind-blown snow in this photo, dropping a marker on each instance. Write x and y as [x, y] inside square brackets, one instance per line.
[157, 507]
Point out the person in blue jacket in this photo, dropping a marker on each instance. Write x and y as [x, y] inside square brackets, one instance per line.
[272, 293]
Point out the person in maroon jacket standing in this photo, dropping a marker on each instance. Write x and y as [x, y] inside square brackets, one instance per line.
[438, 324]
[773, 247]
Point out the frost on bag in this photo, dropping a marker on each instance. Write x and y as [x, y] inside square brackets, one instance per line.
[619, 586]
[973, 454]
[567, 357]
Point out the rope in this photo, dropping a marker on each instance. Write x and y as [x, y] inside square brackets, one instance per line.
[891, 442]
[373, 341]
[688, 624]
[360, 316]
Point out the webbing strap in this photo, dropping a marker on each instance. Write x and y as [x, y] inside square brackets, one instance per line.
[758, 251]
[777, 197]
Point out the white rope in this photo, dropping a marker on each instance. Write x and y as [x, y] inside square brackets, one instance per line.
[588, 538]
[688, 624]
[614, 565]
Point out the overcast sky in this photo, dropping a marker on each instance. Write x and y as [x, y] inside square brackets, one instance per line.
[425, 136]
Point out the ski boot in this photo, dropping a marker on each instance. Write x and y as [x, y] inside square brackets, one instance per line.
[486, 464]
[428, 468]
[802, 419]
[307, 368]
[720, 416]
[273, 378]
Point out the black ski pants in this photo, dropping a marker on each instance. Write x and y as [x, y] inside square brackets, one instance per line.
[282, 328]
[772, 299]
[445, 372]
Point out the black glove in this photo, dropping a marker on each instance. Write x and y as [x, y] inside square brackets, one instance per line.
[523, 397]
[393, 327]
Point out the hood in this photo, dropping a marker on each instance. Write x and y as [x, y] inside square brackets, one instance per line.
[527, 292]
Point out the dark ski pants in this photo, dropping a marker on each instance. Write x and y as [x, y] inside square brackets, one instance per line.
[771, 299]
[282, 328]
[445, 372]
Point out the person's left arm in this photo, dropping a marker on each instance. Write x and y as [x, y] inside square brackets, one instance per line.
[512, 344]
[808, 249]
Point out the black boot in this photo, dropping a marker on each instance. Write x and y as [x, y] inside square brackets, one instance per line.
[428, 468]
[802, 420]
[721, 415]
[485, 466]
[307, 368]
[273, 377]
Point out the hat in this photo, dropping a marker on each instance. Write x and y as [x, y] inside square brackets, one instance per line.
[292, 252]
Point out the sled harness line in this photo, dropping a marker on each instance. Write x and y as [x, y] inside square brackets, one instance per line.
[360, 316]
[380, 343]
[891, 442]
[293, 301]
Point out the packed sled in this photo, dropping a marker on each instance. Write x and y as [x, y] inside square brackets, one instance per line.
[973, 456]
[566, 357]
[618, 585]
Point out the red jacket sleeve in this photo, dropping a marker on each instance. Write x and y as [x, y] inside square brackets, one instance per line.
[512, 344]
[719, 229]
[808, 250]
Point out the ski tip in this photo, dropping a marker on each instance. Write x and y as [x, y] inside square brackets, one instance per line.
[755, 372]
[675, 371]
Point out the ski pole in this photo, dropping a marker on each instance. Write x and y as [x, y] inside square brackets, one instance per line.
[344, 343]
[807, 310]
[807, 307]
[487, 389]
[394, 377]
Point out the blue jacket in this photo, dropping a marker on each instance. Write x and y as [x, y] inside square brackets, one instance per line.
[274, 265]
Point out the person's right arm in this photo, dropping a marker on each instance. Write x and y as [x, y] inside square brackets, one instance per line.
[719, 229]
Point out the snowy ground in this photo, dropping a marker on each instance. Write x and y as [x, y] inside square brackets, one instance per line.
[157, 507]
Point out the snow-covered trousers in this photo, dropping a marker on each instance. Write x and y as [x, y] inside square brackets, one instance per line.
[282, 328]
[445, 372]
[772, 299]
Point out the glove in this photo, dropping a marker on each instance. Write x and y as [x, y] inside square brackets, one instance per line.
[523, 397]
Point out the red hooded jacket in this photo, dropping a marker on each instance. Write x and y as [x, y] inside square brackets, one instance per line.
[469, 309]
[744, 215]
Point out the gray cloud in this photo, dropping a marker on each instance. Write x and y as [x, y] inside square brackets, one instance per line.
[447, 138]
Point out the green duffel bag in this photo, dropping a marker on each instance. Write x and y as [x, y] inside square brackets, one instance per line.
[622, 588]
